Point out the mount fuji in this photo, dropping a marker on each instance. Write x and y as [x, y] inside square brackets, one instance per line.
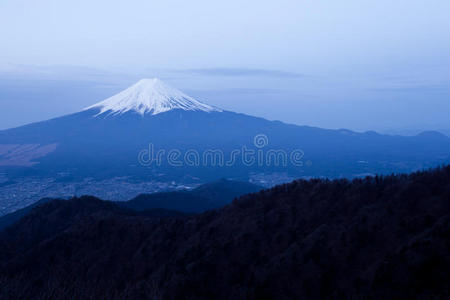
[150, 96]
[108, 139]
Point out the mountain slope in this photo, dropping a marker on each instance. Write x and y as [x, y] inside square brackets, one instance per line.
[208, 196]
[150, 96]
[50, 217]
[153, 133]
[177, 200]
[177, 203]
[223, 191]
[107, 140]
[11, 218]
[380, 237]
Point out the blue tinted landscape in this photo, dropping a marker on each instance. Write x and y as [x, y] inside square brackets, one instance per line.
[206, 150]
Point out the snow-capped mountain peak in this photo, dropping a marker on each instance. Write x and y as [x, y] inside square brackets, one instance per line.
[151, 96]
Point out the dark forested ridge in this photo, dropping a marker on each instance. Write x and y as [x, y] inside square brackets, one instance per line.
[205, 197]
[380, 237]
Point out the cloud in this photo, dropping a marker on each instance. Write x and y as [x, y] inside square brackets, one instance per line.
[234, 91]
[436, 88]
[242, 72]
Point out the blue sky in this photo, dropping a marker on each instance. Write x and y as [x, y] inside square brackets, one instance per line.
[381, 65]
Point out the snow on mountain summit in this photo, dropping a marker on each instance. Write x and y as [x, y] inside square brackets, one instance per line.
[151, 96]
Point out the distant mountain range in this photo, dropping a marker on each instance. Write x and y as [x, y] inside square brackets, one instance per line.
[152, 130]
[383, 237]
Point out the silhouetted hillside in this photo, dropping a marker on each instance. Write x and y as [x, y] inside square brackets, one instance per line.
[177, 200]
[207, 196]
[50, 217]
[223, 191]
[382, 237]
[11, 218]
[177, 203]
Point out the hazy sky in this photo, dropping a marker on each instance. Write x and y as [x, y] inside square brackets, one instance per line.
[373, 64]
